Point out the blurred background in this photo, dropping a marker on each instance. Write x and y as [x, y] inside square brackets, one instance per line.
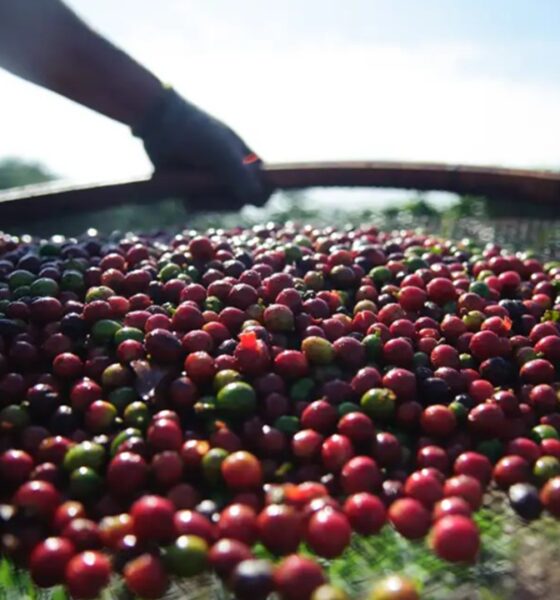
[460, 81]
[473, 81]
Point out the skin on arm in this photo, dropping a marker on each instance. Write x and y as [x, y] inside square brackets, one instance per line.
[46, 43]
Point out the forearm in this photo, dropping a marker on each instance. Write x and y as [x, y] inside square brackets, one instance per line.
[43, 41]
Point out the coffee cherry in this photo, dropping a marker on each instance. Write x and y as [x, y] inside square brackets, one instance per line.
[48, 561]
[510, 470]
[87, 574]
[550, 496]
[226, 554]
[146, 576]
[329, 592]
[15, 466]
[280, 528]
[241, 471]
[453, 505]
[127, 473]
[336, 451]
[466, 487]
[394, 587]
[153, 518]
[409, 517]
[365, 512]
[360, 474]
[39, 498]
[455, 538]
[252, 579]
[187, 556]
[474, 464]
[524, 499]
[296, 578]
[188, 522]
[239, 522]
[425, 487]
[328, 533]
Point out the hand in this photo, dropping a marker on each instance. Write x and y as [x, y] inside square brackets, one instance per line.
[178, 134]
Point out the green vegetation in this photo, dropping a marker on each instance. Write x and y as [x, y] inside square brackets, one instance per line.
[15, 172]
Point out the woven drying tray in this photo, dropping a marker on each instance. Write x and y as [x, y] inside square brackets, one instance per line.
[47, 200]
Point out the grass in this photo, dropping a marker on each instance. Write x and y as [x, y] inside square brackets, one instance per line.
[371, 559]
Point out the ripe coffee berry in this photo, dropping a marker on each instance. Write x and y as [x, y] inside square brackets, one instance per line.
[454, 505]
[550, 496]
[239, 522]
[87, 574]
[487, 419]
[410, 518]
[48, 561]
[38, 498]
[425, 487]
[438, 420]
[366, 513]
[474, 464]
[15, 466]
[464, 486]
[146, 576]
[484, 344]
[357, 427]
[242, 471]
[524, 447]
[360, 474]
[280, 528]
[296, 578]
[510, 470]
[188, 522]
[153, 518]
[328, 533]
[226, 554]
[434, 457]
[336, 451]
[412, 298]
[455, 538]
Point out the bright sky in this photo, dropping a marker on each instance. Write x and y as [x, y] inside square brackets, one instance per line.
[475, 81]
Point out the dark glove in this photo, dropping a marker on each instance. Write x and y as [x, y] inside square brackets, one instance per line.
[177, 134]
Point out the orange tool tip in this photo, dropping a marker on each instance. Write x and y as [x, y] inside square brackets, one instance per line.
[248, 339]
[250, 159]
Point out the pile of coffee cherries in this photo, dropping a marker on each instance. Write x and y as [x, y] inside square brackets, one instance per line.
[167, 402]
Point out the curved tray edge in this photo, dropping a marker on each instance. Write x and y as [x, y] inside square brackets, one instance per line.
[38, 201]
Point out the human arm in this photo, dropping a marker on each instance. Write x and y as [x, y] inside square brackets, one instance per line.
[46, 43]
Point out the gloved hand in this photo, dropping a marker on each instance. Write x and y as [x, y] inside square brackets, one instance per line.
[177, 134]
